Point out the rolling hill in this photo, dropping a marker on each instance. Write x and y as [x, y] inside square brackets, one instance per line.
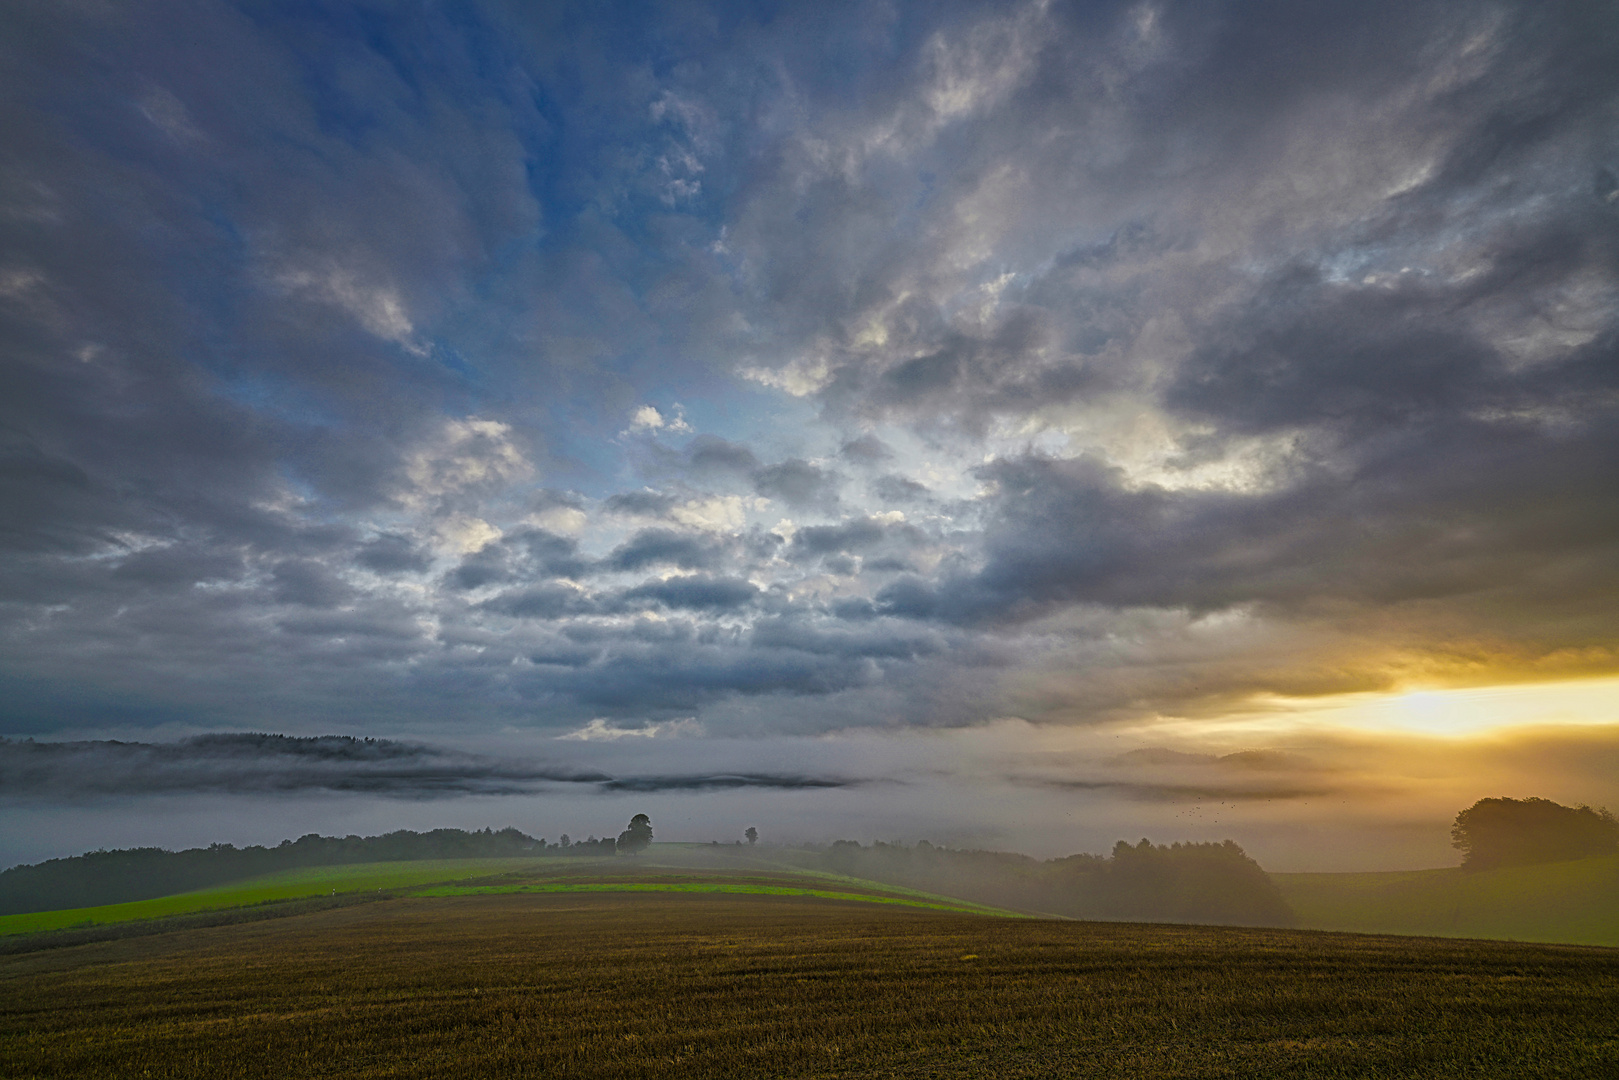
[1571, 902]
[674, 868]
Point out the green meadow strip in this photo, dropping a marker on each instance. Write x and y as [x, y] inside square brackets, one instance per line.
[898, 890]
[709, 887]
[788, 868]
[293, 884]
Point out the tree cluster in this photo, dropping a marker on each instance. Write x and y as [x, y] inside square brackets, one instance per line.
[1188, 883]
[592, 846]
[637, 838]
[1522, 832]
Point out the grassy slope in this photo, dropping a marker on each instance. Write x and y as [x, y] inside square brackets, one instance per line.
[698, 871]
[1575, 902]
[282, 885]
[698, 868]
[646, 987]
[872, 895]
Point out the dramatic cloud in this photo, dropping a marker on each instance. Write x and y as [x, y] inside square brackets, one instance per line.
[277, 764]
[430, 375]
[262, 763]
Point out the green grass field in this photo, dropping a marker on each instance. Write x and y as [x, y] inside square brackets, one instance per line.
[1576, 902]
[283, 885]
[871, 893]
[673, 868]
[613, 986]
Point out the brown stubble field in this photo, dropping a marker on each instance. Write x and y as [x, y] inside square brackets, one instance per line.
[614, 985]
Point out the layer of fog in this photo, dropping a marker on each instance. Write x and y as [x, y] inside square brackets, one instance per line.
[1310, 801]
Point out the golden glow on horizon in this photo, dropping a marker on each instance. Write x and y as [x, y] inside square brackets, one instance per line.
[1444, 711]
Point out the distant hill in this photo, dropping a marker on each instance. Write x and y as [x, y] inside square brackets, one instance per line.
[115, 877]
[1185, 883]
[1180, 883]
[1572, 902]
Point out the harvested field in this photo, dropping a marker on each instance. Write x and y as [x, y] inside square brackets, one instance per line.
[673, 985]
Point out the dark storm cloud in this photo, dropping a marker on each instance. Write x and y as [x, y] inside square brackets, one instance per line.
[697, 593]
[997, 370]
[545, 601]
[487, 567]
[249, 764]
[399, 631]
[894, 642]
[544, 552]
[263, 763]
[722, 782]
[652, 547]
[305, 582]
[857, 535]
[799, 484]
[1359, 360]
[179, 564]
[1159, 774]
[709, 455]
[894, 488]
[522, 556]
[391, 553]
[868, 451]
[1470, 508]
[554, 499]
[52, 504]
[643, 503]
[860, 544]
[678, 672]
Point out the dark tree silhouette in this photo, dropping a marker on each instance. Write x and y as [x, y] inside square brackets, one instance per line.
[636, 838]
[752, 834]
[1521, 832]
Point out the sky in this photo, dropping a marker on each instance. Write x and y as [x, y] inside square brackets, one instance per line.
[1020, 425]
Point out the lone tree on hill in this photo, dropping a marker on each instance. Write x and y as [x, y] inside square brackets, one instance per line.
[752, 834]
[1520, 832]
[637, 838]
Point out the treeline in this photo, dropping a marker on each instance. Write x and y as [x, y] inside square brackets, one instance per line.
[1187, 883]
[113, 877]
[1523, 832]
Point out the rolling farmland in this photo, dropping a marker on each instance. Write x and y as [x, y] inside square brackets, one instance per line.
[667, 984]
[1574, 902]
